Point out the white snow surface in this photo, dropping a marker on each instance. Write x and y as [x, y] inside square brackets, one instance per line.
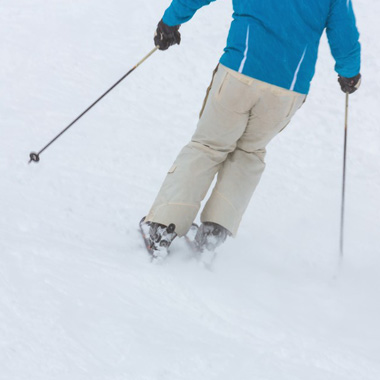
[79, 298]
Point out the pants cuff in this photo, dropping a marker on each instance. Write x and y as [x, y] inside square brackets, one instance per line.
[181, 214]
[220, 210]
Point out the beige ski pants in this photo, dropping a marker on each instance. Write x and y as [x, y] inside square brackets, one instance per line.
[239, 118]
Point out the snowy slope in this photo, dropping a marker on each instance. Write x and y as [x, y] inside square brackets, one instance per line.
[78, 296]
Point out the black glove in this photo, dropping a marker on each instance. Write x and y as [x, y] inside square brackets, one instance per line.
[349, 85]
[166, 36]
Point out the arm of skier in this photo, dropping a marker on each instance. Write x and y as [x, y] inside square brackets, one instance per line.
[343, 38]
[179, 11]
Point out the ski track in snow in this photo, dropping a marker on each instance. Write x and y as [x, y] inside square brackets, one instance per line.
[79, 298]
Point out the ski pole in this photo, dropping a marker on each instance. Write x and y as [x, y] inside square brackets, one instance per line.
[344, 179]
[36, 156]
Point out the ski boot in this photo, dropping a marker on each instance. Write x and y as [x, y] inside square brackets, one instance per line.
[209, 237]
[158, 238]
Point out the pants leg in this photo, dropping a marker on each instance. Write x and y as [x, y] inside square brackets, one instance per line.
[190, 177]
[237, 180]
[242, 169]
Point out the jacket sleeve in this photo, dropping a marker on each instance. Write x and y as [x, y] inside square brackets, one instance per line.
[343, 38]
[181, 11]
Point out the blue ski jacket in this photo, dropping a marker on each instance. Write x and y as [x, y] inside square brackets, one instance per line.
[276, 41]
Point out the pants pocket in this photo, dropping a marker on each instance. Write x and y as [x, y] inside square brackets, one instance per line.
[172, 169]
[208, 91]
[297, 103]
[232, 94]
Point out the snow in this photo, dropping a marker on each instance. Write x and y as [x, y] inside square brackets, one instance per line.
[79, 298]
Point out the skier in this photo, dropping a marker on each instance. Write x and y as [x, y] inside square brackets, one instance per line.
[261, 80]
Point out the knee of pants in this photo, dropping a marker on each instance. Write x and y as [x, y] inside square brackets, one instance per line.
[212, 148]
[260, 153]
